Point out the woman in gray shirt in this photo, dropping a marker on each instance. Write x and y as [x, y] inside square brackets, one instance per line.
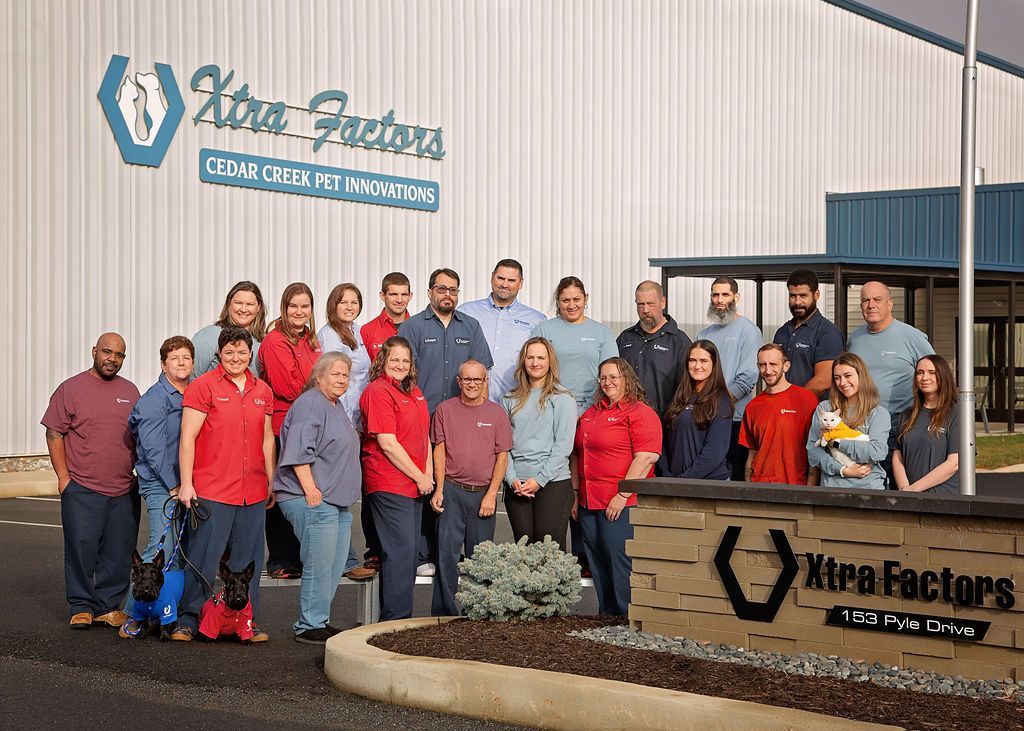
[926, 457]
[538, 491]
[318, 477]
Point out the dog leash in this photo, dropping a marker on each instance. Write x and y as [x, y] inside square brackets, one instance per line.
[192, 516]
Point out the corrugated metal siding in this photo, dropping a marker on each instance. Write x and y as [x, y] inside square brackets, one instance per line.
[925, 225]
[583, 137]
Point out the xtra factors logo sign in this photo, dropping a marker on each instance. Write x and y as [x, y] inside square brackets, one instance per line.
[745, 608]
[143, 110]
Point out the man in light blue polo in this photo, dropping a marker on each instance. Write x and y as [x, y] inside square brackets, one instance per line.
[442, 339]
[737, 340]
[506, 323]
[890, 349]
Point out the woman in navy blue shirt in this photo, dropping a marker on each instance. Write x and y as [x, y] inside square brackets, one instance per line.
[699, 419]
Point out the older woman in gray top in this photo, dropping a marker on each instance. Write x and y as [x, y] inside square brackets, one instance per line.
[538, 492]
[318, 477]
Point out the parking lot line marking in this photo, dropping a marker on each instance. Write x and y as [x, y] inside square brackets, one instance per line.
[39, 525]
[45, 499]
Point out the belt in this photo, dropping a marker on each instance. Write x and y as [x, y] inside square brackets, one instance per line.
[468, 488]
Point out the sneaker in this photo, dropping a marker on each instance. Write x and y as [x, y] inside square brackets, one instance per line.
[258, 635]
[314, 636]
[360, 573]
[114, 618]
[290, 573]
[373, 562]
[130, 629]
[426, 569]
[182, 633]
[82, 620]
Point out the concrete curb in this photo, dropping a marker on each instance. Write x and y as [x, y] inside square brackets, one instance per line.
[28, 484]
[540, 698]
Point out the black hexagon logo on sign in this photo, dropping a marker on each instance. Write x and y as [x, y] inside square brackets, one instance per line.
[744, 608]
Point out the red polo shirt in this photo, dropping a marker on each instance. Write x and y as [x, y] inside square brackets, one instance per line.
[387, 409]
[229, 466]
[285, 366]
[376, 332]
[607, 438]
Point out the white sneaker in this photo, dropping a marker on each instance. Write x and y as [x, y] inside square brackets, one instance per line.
[426, 569]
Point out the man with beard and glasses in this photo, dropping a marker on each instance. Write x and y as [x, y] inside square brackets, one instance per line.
[775, 424]
[93, 453]
[737, 340]
[441, 339]
[809, 340]
[655, 346]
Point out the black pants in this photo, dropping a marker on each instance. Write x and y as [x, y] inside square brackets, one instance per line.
[736, 458]
[545, 514]
[242, 526]
[99, 535]
[398, 524]
[369, 530]
[282, 545]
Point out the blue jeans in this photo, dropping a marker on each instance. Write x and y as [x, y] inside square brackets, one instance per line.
[324, 534]
[605, 541]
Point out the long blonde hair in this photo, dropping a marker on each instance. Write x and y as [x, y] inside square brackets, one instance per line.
[521, 392]
[867, 392]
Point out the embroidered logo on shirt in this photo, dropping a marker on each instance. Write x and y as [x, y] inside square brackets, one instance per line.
[659, 347]
[614, 418]
[587, 340]
[259, 402]
[803, 346]
[223, 398]
[429, 340]
[728, 339]
[787, 411]
[517, 321]
[888, 352]
[483, 423]
[123, 401]
[461, 341]
[627, 345]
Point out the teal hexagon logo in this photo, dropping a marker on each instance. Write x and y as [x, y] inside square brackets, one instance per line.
[143, 110]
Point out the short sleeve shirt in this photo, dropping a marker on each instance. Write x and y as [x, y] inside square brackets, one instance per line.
[92, 414]
[377, 331]
[922, 451]
[229, 465]
[473, 436]
[440, 351]
[811, 343]
[387, 409]
[776, 426]
[607, 438]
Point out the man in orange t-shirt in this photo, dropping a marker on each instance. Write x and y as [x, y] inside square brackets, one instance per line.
[775, 424]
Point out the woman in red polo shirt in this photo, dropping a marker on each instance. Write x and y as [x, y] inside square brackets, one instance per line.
[397, 469]
[226, 456]
[618, 438]
[286, 359]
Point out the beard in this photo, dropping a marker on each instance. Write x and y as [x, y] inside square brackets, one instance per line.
[722, 317]
[810, 311]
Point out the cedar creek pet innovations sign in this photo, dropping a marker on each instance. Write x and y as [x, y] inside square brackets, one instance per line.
[892, 579]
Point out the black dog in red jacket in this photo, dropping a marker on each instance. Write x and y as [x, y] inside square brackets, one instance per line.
[230, 612]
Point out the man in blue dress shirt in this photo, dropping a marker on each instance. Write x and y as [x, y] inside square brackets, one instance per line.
[506, 323]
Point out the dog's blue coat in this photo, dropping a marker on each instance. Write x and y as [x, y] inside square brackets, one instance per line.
[165, 608]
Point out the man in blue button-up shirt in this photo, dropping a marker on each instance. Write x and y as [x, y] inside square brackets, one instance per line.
[506, 323]
[442, 339]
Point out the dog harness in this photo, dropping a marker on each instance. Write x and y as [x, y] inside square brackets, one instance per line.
[165, 608]
[216, 619]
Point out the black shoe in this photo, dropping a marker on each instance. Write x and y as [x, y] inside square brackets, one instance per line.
[316, 636]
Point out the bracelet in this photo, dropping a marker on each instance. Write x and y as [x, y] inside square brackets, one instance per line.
[841, 471]
[627, 497]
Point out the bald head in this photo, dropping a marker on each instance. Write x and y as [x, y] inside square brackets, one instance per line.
[108, 355]
[876, 305]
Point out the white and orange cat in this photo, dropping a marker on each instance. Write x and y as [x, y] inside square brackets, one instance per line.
[833, 428]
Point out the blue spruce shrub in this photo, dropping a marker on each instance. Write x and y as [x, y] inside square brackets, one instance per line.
[516, 581]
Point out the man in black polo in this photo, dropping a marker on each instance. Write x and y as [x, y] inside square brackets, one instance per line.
[809, 340]
[655, 346]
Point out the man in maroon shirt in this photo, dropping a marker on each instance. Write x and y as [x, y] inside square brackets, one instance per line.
[395, 293]
[93, 453]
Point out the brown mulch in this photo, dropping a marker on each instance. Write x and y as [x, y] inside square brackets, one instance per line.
[543, 645]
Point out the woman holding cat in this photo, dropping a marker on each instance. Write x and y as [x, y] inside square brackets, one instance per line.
[851, 461]
[926, 457]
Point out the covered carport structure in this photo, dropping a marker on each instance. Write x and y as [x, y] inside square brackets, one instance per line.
[908, 239]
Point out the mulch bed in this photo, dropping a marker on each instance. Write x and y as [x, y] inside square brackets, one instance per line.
[543, 645]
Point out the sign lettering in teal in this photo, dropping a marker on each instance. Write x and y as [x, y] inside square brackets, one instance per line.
[287, 176]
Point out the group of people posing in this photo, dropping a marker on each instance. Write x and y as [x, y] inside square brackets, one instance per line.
[273, 433]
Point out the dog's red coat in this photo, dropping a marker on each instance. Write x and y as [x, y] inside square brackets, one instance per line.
[219, 620]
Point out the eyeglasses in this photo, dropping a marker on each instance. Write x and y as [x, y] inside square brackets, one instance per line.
[472, 381]
[441, 289]
[609, 379]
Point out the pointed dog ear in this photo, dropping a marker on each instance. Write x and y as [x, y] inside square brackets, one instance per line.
[136, 558]
[225, 571]
[158, 562]
[249, 571]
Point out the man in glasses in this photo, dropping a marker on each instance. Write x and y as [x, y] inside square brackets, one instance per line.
[471, 437]
[442, 339]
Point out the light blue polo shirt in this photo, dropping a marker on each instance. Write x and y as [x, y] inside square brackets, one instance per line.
[737, 343]
[581, 347]
[891, 357]
[505, 329]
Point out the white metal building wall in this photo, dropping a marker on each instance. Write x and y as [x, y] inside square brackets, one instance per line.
[582, 136]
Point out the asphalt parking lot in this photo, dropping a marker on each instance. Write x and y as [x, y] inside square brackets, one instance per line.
[51, 675]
